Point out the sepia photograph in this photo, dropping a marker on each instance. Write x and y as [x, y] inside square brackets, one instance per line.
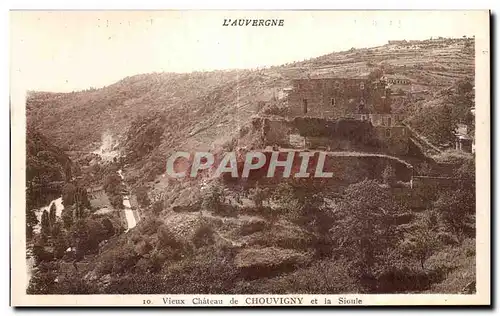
[250, 158]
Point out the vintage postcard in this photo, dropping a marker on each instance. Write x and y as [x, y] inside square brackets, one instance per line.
[250, 158]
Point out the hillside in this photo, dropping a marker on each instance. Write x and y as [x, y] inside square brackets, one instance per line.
[203, 108]
[191, 102]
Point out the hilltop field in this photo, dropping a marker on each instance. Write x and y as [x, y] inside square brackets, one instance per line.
[204, 235]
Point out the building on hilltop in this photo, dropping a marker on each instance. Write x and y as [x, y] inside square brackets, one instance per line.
[396, 79]
[346, 102]
[337, 97]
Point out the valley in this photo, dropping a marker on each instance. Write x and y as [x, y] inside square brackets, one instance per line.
[131, 227]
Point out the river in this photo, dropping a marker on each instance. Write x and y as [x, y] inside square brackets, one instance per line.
[30, 261]
[129, 212]
[39, 212]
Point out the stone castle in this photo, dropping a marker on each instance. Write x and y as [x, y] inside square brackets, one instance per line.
[351, 100]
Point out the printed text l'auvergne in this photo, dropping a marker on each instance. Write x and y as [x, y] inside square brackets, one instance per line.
[253, 22]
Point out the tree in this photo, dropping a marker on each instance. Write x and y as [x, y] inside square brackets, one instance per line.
[75, 195]
[214, 198]
[68, 194]
[299, 200]
[258, 195]
[204, 235]
[467, 174]
[31, 222]
[43, 280]
[113, 187]
[167, 238]
[465, 86]
[436, 123]
[158, 207]
[82, 202]
[56, 229]
[285, 195]
[67, 217]
[96, 234]
[112, 184]
[375, 74]
[116, 201]
[60, 245]
[45, 222]
[86, 236]
[364, 229]
[40, 254]
[448, 124]
[108, 227]
[424, 169]
[52, 214]
[420, 240]
[456, 209]
[389, 175]
[142, 196]
[75, 284]
[80, 236]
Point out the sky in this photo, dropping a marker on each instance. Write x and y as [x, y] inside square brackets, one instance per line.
[74, 50]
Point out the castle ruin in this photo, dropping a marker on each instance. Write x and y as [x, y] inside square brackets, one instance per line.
[345, 103]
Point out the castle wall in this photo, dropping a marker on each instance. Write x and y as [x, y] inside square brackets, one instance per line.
[383, 136]
[380, 119]
[276, 132]
[394, 138]
[347, 168]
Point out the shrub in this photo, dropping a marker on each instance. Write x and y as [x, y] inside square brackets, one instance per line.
[258, 195]
[214, 198]
[149, 226]
[249, 228]
[406, 279]
[230, 145]
[389, 175]
[203, 236]
[122, 258]
[143, 247]
[116, 201]
[157, 207]
[167, 239]
[142, 196]
[74, 284]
